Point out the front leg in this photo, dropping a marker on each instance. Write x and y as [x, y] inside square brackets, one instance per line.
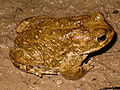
[71, 67]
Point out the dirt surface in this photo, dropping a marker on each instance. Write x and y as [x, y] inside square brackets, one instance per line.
[106, 72]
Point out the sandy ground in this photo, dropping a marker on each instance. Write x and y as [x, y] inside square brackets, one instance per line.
[106, 72]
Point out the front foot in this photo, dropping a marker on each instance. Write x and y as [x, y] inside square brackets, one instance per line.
[87, 67]
[77, 73]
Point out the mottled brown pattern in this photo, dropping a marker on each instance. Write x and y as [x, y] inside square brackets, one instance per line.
[47, 45]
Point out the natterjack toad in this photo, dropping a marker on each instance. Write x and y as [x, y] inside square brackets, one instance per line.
[47, 45]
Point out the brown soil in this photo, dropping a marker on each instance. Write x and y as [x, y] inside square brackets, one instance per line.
[106, 72]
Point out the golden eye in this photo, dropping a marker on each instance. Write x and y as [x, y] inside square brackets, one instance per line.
[101, 38]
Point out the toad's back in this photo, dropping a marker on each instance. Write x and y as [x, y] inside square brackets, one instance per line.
[47, 40]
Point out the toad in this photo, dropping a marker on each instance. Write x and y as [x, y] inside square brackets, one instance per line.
[50, 46]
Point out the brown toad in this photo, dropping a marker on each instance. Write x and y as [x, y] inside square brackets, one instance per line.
[47, 45]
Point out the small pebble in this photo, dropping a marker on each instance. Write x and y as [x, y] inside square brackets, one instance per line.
[78, 89]
[59, 82]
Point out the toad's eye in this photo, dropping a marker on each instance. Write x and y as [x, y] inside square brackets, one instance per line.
[101, 38]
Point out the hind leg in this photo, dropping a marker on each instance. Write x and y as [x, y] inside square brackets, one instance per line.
[22, 60]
